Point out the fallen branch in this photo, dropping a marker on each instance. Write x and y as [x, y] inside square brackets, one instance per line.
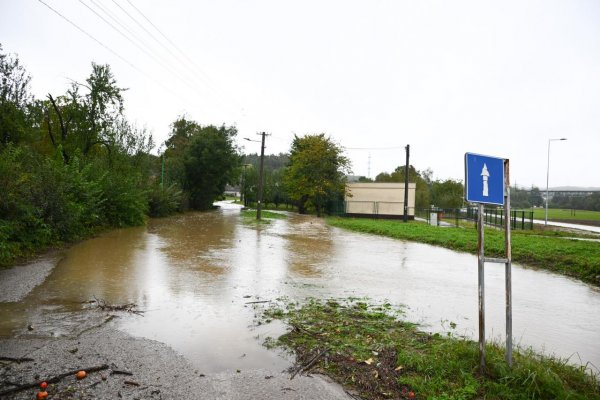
[310, 364]
[17, 360]
[257, 302]
[129, 307]
[53, 379]
[132, 383]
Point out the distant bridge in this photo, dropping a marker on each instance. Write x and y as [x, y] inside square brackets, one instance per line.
[572, 193]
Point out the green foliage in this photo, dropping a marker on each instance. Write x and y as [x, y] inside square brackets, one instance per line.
[163, 202]
[210, 161]
[447, 194]
[373, 352]
[589, 202]
[201, 160]
[71, 165]
[45, 201]
[124, 201]
[250, 215]
[274, 188]
[443, 194]
[577, 258]
[14, 100]
[523, 198]
[316, 173]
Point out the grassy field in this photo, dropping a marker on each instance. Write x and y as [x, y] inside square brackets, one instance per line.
[543, 249]
[563, 215]
[375, 355]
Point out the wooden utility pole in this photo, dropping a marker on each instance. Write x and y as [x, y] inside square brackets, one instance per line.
[406, 183]
[260, 178]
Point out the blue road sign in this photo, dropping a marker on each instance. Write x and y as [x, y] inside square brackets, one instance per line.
[484, 179]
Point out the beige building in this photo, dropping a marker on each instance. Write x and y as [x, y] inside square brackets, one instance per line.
[383, 200]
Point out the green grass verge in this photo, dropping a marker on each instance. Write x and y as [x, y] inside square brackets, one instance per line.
[249, 216]
[548, 250]
[566, 214]
[377, 356]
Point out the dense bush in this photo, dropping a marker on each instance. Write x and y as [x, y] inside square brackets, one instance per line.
[164, 201]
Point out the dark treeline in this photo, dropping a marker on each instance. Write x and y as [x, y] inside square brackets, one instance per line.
[71, 164]
[590, 202]
[534, 197]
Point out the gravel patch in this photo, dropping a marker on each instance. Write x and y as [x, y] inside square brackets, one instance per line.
[16, 282]
[141, 369]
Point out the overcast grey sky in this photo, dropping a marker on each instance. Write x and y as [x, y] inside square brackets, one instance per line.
[447, 77]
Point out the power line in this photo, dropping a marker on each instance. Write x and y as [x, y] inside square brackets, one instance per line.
[107, 48]
[166, 67]
[205, 76]
[91, 37]
[117, 20]
[192, 74]
[374, 148]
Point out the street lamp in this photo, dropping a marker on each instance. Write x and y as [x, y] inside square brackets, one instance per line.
[548, 175]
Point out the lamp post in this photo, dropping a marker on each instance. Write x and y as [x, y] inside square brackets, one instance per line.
[548, 175]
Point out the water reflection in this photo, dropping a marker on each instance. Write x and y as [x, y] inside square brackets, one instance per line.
[195, 274]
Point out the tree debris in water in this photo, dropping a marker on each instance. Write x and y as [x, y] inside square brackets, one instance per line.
[128, 307]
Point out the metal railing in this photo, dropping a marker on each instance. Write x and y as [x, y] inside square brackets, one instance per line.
[519, 219]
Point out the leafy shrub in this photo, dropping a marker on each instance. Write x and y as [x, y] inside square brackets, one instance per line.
[164, 201]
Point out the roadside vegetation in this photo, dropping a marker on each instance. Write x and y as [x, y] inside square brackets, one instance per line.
[376, 355]
[71, 164]
[547, 250]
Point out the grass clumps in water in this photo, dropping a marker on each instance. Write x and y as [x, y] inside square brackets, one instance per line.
[375, 355]
[249, 215]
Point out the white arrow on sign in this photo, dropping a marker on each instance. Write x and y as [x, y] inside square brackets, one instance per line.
[485, 175]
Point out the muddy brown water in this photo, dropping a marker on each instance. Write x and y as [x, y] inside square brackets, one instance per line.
[194, 275]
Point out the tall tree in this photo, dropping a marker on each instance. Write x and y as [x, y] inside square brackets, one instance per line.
[210, 160]
[182, 131]
[316, 172]
[14, 99]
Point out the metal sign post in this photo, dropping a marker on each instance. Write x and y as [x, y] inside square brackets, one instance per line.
[508, 263]
[487, 181]
[481, 286]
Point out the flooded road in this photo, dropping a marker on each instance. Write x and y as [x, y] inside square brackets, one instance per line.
[196, 275]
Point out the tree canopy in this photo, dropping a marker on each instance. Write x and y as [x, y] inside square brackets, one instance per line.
[316, 172]
[202, 160]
